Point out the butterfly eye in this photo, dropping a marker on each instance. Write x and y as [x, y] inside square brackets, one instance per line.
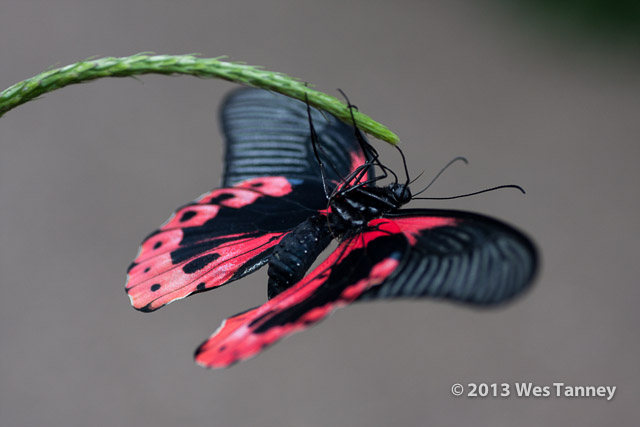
[401, 193]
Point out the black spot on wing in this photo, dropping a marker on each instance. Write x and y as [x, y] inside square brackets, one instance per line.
[199, 263]
[155, 287]
[220, 198]
[187, 216]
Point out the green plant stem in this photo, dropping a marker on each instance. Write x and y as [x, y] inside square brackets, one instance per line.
[134, 65]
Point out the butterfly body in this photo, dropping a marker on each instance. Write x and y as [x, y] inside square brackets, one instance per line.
[349, 211]
[354, 207]
[287, 191]
[295, 253]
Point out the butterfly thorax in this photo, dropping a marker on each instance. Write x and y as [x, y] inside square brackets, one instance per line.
[353, 208]
[349, 212]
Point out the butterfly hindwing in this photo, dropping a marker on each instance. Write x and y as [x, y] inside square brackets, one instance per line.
[410, 254]
[461, 256]
[358, 264]
[271, 185]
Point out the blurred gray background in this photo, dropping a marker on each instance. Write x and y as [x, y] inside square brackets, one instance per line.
[88, 171]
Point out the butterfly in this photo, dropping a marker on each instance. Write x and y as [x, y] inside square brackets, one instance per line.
[295, 179]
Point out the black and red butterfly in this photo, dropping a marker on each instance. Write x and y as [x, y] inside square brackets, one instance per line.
[295, 179]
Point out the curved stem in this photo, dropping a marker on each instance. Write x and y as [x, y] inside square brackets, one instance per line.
[138, 64]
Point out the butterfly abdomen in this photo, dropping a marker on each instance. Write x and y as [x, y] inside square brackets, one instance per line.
[295, 253]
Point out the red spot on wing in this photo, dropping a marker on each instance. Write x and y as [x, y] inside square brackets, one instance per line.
[275, 186]
[230, 197]
[357, 159]
[412, 226]
[191, 216]
[378, 274]
[247, 192]
[236, 339]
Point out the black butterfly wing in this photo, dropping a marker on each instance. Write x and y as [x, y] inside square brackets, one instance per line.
[268, 135]
[461, 256]
[271, 185]
[414, 253]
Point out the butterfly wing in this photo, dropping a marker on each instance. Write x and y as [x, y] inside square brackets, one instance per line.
[357, 264]
[415, 253]
[268, 135]
[271, 184]
[461, 256]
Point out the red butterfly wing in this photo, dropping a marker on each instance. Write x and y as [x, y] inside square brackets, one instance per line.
[222, 236]
[413, 253]
[358, 264]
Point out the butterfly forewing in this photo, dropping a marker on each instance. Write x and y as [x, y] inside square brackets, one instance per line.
[271, 185]
[268, 134]
[224, 235]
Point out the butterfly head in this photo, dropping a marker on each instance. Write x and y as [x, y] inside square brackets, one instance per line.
[400, 193]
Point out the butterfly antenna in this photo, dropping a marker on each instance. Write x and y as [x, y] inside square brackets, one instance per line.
[404, 163]
[416, 178]
[462, 159]
[500, 187]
